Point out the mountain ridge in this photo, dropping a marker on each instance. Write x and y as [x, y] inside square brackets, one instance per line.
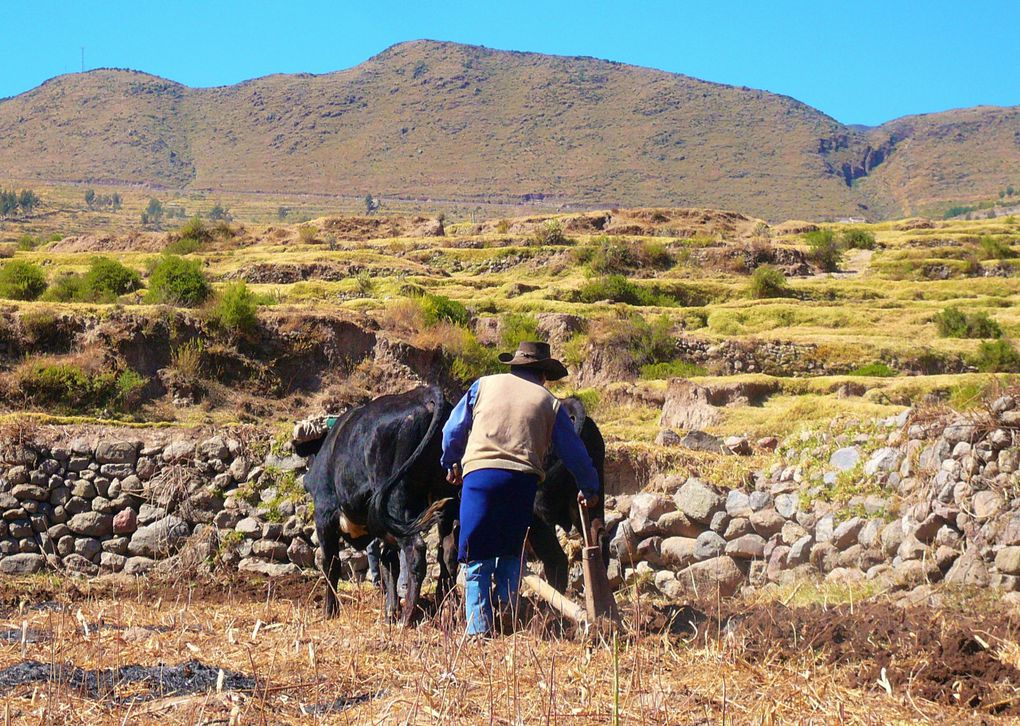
[440, 119]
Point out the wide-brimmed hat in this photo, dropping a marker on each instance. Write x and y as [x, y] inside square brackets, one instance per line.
[535, 355]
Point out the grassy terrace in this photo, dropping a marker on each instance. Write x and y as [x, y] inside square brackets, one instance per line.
[869, 329]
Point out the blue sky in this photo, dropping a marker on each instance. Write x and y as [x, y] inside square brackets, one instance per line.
[860, 62]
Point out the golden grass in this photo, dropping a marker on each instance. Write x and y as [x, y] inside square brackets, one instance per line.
[425, 675]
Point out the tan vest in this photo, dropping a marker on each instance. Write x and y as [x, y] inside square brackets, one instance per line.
[511, 425]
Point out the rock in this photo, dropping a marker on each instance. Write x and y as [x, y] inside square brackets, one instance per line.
[790, 533]
[1007, 560]
[759, 500]
[884, 460]
[650, 550]
[1009, 531]
[31, 491]
[112, 562]
[22, 564]
[76, 563]
[738, 445]
[301, 554]
[270, 549]
[845, 575]
[686, 407]
[270, 569]
[845, 459]
[250, 527]
[737, 527]
[92, 524]
[227, 519]
[778, 561]
[661, 578]
[116, 452]
[678, 552]
[645, 511]
[137, 565]
[911, 549]
[911, 573]
[700, 441]
[116, 545]
[960, 431]
[239, 469]
[178, 451]
[214, 448]
[125, 521]
[708, 545]
[845, 535]
[892, 537]
[718, 575]
[871, 533]
[767, 522]
[787, 505]
[145, 468]
[159, 539]
[676, 524]
[87, 547]
[750, 546]
[737, 504]
[767, 443]
[665, 437]
[925, 531]
[624, 543]
[800, 551]
[147, 513]
[698, 500]
[986, 504]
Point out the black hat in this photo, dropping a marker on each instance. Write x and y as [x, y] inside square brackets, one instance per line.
[535, 355]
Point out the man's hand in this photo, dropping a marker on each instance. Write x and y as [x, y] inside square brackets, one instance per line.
[454, 476]
[588, 502]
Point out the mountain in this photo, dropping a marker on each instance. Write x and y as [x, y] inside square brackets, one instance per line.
[432, 120]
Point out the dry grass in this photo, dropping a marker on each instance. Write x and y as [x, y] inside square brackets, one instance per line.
[424, 675]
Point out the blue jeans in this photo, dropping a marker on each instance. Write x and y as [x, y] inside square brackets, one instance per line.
[478, 575]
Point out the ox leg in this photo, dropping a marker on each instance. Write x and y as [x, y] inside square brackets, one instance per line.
[414, 558]
[329, 541]
[543, 541]
[389, 571]
[449, 532]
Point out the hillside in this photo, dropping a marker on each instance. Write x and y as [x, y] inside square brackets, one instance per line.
[443, 121]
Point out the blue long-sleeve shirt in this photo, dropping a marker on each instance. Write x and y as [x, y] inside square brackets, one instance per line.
[565, 441]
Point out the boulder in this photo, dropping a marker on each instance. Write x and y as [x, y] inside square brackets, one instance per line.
[270, 569]
[846, 458]
[678, 552]
[76, 563]
[767, 522]
[112, 562]
[709, 545]
[800, 551]
[301, 554]
[214, 448]
[137, 565]
[178, 451]
[92, 524]
[737, 504]
[677, 524]
[125, 521]
[159, 539]
[737, 527]
[249, 527]
[270, 549]
[116, 452]
[787, 505]
[87, 547]
[31, 491]
[645, 511]
[1007, 560]
[987, 504]
[698, 500]
[700, 441]
[22, 564]
[686, 407]
[718, 575]
[845, 535]
[748, 547]
[885, 460]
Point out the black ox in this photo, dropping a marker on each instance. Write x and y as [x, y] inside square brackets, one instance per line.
[377, 475]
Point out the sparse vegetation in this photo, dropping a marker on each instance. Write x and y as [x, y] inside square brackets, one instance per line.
[997, 356]
[550, 233]
[825, 249]
[858, 239]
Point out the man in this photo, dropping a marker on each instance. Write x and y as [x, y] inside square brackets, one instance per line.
[495, 444]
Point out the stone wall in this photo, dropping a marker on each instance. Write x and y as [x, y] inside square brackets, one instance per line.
[115, 504]
[937, 501]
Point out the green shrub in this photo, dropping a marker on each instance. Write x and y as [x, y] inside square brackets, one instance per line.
[995, 249]
[954, 323]
[237, 309]
[608, 256]
[517, 327]
[67, 287]
[176, 281]
[877, 369]
[550, 233]
[997, 356]
[437, 308]
[858, 239]
[825, 250]
[21, 280]
[615, 288]
[129, 386]
[671, 369]
[107, 279]
[27, 243]
[307, 234]
[767, 281]
[475, 360]
[183, 246]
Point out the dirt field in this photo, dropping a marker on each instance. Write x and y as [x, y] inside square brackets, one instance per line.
[125, 651]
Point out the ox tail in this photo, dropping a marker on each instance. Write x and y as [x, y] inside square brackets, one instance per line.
[378, 509]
